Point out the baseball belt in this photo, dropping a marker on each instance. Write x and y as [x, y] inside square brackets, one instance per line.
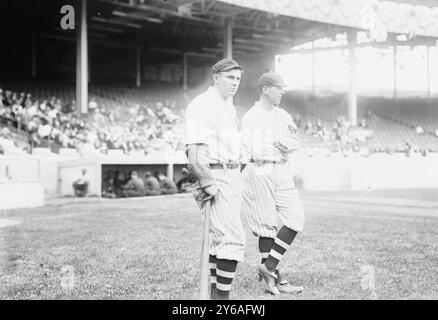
[259, 162]
[229, 165]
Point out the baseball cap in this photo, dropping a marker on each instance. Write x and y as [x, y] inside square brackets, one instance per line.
[225, 65]
[270, 79]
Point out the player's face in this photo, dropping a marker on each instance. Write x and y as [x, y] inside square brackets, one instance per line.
[228, 82]
[275, 94]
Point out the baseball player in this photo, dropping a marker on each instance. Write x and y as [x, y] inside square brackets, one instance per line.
[213, 153]
[167, 186]
[270, 199]
[135, 186]
[152, 185]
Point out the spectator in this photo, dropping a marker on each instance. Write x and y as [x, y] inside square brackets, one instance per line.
[419, 130]
[43, 106]
[297, 120]
[119, 183]
[309, 127]
[92, 105]
[80, 186]
[319, 126]
[356, 147]
[408, 149]
[336, 131]
[152, 184]
[108, 188]
[319, 129]
[167, 186]
[109, 191]
[135, 187]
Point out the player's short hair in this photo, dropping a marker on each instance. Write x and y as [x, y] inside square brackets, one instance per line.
[270, 79]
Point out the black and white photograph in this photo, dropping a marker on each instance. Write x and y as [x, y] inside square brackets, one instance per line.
[243, 150]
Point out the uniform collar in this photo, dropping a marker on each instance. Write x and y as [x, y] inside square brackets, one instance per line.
[258, 105]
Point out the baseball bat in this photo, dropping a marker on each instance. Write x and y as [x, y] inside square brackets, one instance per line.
[204, 274]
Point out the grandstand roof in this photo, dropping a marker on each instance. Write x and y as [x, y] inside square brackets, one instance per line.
[177, 26]
[172, 26]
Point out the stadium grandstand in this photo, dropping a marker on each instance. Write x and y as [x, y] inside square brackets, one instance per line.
[117, 84]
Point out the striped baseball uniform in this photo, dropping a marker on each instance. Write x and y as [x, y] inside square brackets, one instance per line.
[270, 198]
[212, 121]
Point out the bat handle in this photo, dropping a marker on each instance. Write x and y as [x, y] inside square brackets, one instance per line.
[204, 274]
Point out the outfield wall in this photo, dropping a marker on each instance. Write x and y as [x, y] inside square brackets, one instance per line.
[318, 173]
[378, 171]
[51, 175]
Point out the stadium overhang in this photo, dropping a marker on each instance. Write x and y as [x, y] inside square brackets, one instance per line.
[391, 16]
[261, 27]
[255, 32]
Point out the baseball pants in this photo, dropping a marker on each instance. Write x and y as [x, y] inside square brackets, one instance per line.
[227, 237]
[270, 199]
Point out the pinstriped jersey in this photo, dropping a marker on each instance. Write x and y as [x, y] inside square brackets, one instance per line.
[211, 120]
[261, 128]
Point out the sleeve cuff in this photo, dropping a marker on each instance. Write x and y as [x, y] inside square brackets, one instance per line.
[205, 182]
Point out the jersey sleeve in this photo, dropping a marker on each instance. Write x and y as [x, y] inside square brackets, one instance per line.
[199, 123]
[289, 136]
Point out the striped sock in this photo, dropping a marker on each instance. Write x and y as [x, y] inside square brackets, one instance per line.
[284, 238]
[213, 262]
[265, 245]
[225, 272]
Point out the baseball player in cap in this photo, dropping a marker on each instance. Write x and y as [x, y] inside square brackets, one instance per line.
[213, 152]
[270, 200]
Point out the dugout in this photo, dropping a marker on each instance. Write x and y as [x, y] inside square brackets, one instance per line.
[98, 166]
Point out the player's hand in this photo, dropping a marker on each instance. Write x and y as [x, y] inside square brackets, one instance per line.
[280, 147]
[292, 128]
[283, 151]
[188, 175]
[210, 192]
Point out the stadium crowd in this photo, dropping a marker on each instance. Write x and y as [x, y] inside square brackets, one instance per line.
[52, 121]
[347, 139]
[153, 126]
[340, 137]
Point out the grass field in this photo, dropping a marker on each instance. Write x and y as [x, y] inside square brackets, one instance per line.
[149, 248]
